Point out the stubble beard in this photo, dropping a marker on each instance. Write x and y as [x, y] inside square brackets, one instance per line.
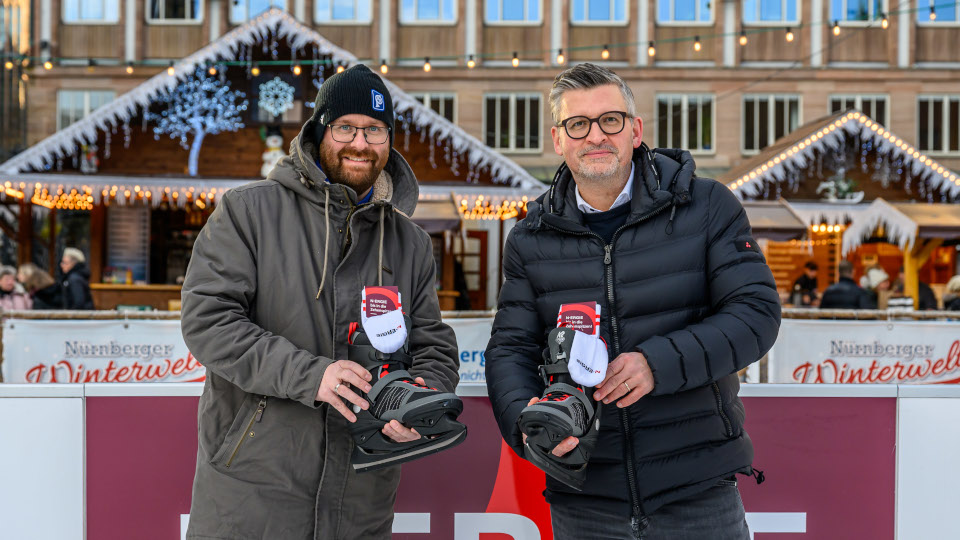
[599, 174]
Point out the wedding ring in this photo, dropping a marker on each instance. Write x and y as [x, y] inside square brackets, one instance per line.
[336, 389]
[627, 385]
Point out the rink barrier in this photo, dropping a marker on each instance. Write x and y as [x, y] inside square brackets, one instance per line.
[116, 461]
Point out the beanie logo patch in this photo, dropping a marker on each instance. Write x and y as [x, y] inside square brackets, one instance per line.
[379, 104]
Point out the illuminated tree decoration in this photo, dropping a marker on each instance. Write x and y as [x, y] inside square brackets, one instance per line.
[200, 106]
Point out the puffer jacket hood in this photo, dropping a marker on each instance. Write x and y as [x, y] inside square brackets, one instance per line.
[662, 176]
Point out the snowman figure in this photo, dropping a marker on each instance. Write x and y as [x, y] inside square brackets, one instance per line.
[89, 162]
[274, 141]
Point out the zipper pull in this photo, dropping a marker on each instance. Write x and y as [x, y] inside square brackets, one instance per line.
[261, 407]
[758, 474]
[606, 254]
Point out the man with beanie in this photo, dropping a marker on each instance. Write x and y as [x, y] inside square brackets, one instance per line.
[272, 289]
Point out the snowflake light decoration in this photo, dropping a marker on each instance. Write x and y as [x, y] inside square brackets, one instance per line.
[276, 96]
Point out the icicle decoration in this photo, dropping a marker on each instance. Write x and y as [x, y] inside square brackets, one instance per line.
[106, 145]
[433, 147]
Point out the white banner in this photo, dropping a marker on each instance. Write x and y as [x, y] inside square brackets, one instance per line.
[52, 351]
[36, 351]
[866, 352]
[472, 338]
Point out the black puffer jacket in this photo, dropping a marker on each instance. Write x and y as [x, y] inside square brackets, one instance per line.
[683, 283]
[76, 288]
[846, 294]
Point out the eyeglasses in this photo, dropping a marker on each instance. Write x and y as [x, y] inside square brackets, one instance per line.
[578, 127]
[345, 133]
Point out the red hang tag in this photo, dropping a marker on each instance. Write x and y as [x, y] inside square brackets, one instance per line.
[582, 317]
[380, 300]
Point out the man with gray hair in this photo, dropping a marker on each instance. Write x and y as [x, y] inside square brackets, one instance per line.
[681, 298]
[76, 280]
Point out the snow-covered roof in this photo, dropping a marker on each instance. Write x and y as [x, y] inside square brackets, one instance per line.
[799, 149]
[281, 25]
[903, 223]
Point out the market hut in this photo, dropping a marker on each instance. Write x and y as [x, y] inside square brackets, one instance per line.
[133, 182]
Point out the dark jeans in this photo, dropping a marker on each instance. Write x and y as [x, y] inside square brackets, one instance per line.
[715, 514]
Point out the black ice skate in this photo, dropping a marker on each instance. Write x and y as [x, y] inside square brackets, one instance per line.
[565, 410]
[395, 396]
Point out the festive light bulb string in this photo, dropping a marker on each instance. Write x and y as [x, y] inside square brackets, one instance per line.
[742, 33]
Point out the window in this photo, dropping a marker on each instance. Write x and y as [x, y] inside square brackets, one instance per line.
[428, 11]
[174, 10]
[598, 11]
[684, 11]
[512, 11]
[770, 12]
[873, 106]
[90, 11]
[939, 124]
[444, 104]
[766, 118]
[512, 121]
[343, 11]
[72, 105]
[243, 10]
[948, 11]
[855, 10]
[685, 121]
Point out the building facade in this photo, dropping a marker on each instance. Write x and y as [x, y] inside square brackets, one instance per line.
[723, 79]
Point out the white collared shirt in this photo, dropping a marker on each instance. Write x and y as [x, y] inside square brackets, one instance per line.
[623, 198]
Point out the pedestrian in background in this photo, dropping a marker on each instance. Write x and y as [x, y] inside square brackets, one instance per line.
[76, 280]
[12, 294]
[44, 291]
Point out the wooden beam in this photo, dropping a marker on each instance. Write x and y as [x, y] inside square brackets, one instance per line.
[913, 259]
[25, 233]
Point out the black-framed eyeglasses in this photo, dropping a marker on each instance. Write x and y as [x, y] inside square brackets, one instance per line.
[345, 133]
[578, 127]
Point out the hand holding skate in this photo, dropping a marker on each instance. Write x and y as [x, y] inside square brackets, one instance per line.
[563, 447]
[335, 386]
[628, 379]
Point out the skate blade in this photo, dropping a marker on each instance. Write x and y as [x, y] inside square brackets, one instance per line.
[374, 462]
[571, 477]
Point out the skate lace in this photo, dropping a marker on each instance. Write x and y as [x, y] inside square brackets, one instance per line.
[390, 399]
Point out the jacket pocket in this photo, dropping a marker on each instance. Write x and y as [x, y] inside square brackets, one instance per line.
[240, 431]
[726, 421]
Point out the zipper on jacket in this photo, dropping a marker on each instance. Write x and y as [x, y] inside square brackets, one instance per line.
[726, 421]
[256, 418]
[638, 517]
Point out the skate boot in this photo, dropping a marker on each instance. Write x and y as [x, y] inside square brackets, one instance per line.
[396, 396]
[565, 410]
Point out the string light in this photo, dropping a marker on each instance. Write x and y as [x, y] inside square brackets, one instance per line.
[471, 63]
[170, 69]
[48, 65]
[129, 68]
[426, 64]
[340, 68]
[515, 61]
[743, 37]
[8, 64]
[212, 71]
[789, 35]
[933, 13]
[383, 66]
[560, 58]
[884, 22]
[651, 50]
[605, 53]
[836, 28]
[696, 44]
[297, 70]
[255, 70]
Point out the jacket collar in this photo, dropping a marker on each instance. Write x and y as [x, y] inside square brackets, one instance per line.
[661, 177]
